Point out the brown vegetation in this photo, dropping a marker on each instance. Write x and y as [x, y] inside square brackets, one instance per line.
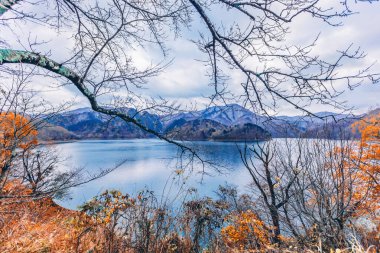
[311, 196]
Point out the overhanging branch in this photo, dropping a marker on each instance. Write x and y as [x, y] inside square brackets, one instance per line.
[6, 5]
[8, 56]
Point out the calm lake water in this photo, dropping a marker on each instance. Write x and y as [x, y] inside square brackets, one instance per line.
[154, 165]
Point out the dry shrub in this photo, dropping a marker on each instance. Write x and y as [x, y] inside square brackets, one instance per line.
[43, 226]
[246, 231]
[174, 243]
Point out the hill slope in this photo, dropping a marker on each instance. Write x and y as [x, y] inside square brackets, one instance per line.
[230, 122]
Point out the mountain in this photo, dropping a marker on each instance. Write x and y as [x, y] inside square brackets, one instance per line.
[206, 129]
[230, 122]
[50, 132]
[326, 124]
[87, 124]
[227, 115]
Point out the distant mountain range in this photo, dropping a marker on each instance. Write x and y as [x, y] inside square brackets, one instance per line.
[229, 123]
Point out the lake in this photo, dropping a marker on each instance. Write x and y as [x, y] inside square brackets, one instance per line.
[154, 165]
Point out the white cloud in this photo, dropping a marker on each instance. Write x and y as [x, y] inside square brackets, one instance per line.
[185, 79]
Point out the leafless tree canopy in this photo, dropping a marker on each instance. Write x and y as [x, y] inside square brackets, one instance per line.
[39, 167]
[251, 40]
[307, 188]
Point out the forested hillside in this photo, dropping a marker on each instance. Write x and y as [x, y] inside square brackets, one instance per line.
[230, 122]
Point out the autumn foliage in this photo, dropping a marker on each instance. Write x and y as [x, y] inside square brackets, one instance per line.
[367, 155]
[246, 231]
[368, 152]
[16, 132]
[117, 222]
[43, 226]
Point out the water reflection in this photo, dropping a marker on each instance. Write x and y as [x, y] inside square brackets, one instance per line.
[151, 164]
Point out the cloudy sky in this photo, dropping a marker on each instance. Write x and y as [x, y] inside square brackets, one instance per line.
[185, 79]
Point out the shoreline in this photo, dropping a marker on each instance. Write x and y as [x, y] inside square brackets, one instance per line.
[45, 142]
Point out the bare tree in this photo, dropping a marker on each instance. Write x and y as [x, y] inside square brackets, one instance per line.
[254, 44]
[20, 117]
[310, 189]
[100, 64]
[274, 176]
[332, 193]
[35, 165]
